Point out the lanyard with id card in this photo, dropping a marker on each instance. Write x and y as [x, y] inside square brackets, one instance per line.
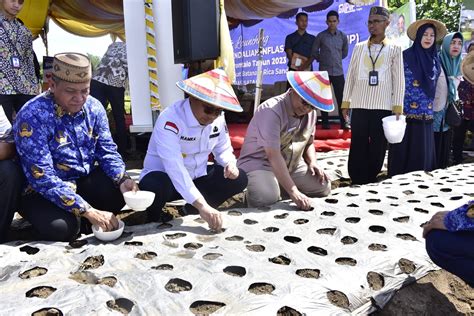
[374, 75]
[14, 60]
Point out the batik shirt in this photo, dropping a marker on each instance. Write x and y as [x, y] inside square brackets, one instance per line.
[57, 148]
[113, 69]
[16, 41]
[416, 105]
[461, 218]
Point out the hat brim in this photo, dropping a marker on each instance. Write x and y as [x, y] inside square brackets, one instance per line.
[304, 91]
[220, 100]
[467, 68]
[441, 30]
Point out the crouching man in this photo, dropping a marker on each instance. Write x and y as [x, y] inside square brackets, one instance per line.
[278, 151]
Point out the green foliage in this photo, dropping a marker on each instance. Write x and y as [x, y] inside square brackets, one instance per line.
[95, 60]
[446, 11]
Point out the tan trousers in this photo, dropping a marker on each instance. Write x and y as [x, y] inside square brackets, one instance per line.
[263, 188]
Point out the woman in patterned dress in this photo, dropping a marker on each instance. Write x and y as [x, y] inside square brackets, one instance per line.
[422, 70]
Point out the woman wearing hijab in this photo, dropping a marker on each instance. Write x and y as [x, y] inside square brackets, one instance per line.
[422, 69]
[446, 92]
[466, 95]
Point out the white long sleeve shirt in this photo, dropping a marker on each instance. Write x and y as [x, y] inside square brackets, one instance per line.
[180, 147]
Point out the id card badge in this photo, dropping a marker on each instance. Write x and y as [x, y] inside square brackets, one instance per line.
[15, 62]
[373, 78]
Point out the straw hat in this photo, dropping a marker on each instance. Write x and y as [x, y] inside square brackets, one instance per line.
[212, 87]
[467, 67]
[441, 30]
[72, 67]
[314, 87]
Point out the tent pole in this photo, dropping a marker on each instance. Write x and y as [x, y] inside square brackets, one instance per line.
[258, 84]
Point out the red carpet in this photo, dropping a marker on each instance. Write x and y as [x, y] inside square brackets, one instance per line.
[326, 140]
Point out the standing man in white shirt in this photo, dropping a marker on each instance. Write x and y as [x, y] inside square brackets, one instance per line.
[185, 134]
[374, 89]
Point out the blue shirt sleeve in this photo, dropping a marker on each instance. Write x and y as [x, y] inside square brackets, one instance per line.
[458, 219]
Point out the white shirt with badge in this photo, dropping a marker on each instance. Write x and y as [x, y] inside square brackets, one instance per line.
[180, 147]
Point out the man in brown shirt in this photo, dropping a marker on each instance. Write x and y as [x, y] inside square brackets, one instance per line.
[278, 150]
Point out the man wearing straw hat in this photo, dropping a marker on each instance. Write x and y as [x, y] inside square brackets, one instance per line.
[69, 159]
[375, 88]
[185, 134]
[278, 150]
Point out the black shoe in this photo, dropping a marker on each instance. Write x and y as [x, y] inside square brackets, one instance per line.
[346, 126]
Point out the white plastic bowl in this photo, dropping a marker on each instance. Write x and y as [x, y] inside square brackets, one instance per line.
[394, 130]
[108, 236]
[140, 200]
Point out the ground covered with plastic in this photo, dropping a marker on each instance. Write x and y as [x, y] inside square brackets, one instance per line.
[348, 255]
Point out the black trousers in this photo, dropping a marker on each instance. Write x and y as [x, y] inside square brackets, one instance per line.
[13, 102]
[458, 139]
[54, 223]
[214, 187]
[338, 85]
[105, 94]
[368, 145]
[11, 181]
[443, 143]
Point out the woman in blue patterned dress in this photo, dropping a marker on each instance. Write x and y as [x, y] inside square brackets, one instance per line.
[422, 69]
[446, 92]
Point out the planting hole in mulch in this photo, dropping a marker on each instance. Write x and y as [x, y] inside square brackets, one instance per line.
[234, 213]
[110, 281]
[308, 273]
[280, 260]
[288, 311]
[178, 285]
[301, 221]
[235, 271]
[250, 222]
[256, 248]
[406, 237]
[338, 298]
[93, 262]
[281, 216]
[163, 267]
[402, 219]
[377, 247]
[175, 236]
[376, 281]
[328, 213]
[133, 243]
[326, 231]
[346, 261]
[48, 311]
[121, 305]
[377, 229]
[192, 245]
[149, 255]
[41, 291]
[29, 250]
[292, 239]
[205, 307]
[376, 212]
[261, 288]
[33, 273]
[271, 229]
[211, 256]
[318, 251]
[407, 266]
[349, 240]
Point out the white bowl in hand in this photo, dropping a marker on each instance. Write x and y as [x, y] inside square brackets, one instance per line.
[110, 235]
[140, 200]
[394, 130]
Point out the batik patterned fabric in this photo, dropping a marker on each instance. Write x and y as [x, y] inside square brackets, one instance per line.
[113, 67]
[461, 218]
[466, 95]
[417, 105]
[57, 148]
[16, 41]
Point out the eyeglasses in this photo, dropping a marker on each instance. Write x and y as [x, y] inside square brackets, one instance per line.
[370, 22]
[211, 110]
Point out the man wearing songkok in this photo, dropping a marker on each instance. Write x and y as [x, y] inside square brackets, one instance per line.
[278, 150]
[75, 175]
[11, 177]
[449, 239]
[185, 134]
[374, 89]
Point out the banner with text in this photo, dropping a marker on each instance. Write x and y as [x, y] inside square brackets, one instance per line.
[245, 41]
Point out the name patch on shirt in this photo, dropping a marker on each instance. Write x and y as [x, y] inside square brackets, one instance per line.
[170, 126]
[188, 139]
[214, 135]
